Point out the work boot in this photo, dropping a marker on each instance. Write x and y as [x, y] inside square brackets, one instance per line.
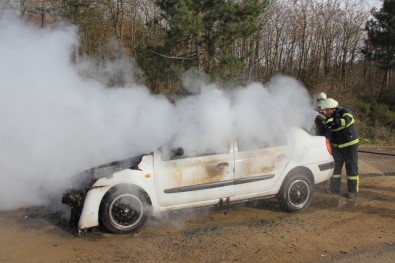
[351, 195]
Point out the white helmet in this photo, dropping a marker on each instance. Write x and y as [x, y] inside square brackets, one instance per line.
[321, 96]
[329, 104]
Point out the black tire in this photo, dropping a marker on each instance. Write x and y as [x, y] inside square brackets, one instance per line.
[296, 193]
[124, 210]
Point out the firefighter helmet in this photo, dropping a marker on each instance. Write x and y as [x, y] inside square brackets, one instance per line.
[329, 104]
[321, 96]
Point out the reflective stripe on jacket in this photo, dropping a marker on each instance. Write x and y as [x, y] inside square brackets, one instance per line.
[344, 133]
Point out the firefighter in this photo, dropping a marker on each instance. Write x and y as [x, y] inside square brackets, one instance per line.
[319, 127]
[344, 140]
[320, 97]
[319, 122]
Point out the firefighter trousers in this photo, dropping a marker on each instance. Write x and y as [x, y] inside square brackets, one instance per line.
[349, 157]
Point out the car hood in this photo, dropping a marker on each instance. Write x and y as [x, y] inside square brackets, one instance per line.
[87, 178]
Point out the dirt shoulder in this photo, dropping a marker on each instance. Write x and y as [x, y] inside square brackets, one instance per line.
[332, 229]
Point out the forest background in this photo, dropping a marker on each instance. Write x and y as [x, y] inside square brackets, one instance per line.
[341, 47]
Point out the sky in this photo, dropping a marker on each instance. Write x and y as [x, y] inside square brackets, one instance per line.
[59, 118]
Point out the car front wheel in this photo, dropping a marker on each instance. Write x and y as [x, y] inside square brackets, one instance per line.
[124, 210]
[296, 193]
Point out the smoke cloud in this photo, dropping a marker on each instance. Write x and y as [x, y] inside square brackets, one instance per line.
[59, 118]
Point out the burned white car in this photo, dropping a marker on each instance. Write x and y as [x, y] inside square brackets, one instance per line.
[120, 196]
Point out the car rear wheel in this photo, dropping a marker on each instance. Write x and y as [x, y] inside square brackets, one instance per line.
[124, 210]
[296, 193]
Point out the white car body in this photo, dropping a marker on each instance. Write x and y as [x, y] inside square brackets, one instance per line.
[234, 176]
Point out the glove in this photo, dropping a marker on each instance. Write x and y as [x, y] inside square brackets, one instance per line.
[329, 123]
[332, 123]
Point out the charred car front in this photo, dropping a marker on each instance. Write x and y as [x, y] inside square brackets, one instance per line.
[84, 181]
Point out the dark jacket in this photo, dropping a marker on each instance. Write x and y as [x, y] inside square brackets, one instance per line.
[319, 125]
[342, 127]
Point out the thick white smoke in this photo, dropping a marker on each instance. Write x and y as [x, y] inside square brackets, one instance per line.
[56, 122]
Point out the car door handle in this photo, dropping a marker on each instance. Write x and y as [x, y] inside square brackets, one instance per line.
[222, 165]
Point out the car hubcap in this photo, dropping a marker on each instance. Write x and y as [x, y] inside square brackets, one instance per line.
[126, 211]
[298, 193]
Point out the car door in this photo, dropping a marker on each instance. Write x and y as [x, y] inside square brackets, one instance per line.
[183, 179]
[257, 170]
